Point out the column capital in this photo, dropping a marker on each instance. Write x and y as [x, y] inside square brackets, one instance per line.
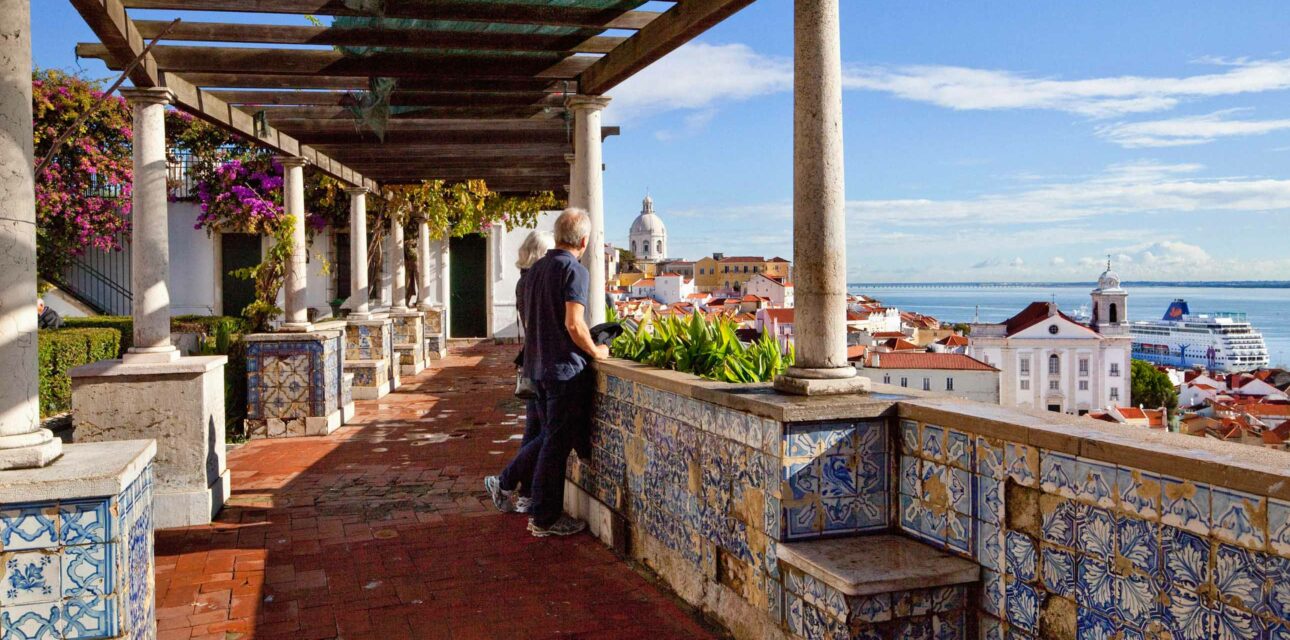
[357, 191]
[587, 103]
[147, 95]
[291, 162]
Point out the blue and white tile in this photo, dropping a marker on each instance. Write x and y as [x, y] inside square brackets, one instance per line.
[989, 499]
[1023, 606]
[1057, 570]
[871, 509]
[88, 569]
[1232, 623]
[1021, 556]
[837, 476]
[959, 449]
[1185, 504]
[989, 546]
[803, 520]
[1279, 526]
[85, 521]
[933, 478]
[1137, 598]
[1095, 482]
[933, 443]
[90, 616]
[1239, 576]
[40, 621]
[1091, 625]
[1187, 616]
[991, 628]
[959, 484]
[958, 532]
[1139, 491]
[993, 593]
[911, 514]
[1095, 585]
[803, 479]
[30, 577]
[1139, 543]
[911, 602]
[1186, 558]
[795, 614]
[990, 460]
[1058, 524]
[839, 514]
[1022, 463]
[1277, 598]
[1058, 473]
[28, 527]
[1095, 532]
[911, 479]
[910, 444]
[874, 608]
[1238, 517]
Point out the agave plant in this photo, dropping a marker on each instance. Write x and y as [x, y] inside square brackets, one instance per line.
[709, 349]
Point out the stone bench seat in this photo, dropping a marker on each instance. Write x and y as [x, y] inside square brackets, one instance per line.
[880, 586]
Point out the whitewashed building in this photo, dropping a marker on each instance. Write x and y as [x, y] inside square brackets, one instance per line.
[777, 289]
[952, 374]
[1048, 360]
[670, 288]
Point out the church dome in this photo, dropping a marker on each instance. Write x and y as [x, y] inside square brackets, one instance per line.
[1109, 279]
[648, 223]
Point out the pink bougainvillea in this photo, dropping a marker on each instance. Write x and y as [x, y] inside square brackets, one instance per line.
[83, 194]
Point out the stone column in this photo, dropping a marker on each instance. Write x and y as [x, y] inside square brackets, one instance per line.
[398, 266]
[360, 289]
[819, 207]
[423, 265]
[23, 444]
[149, 234]
[588, 191]
[577, 195]
[296, 311]
[445, 284]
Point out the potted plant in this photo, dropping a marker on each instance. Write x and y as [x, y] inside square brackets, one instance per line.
[336, 311]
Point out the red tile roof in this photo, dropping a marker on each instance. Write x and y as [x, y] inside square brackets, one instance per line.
[926, 360]
[743, 259]
[1032, 315]
[856, 352]
[782, 316]
[888, 334]
[954, 341]
[898, 344]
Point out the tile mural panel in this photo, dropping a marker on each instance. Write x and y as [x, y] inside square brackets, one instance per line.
[291, 379]
[79, 568]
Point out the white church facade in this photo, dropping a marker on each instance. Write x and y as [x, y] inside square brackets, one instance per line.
[647, 239]
[1049, 361]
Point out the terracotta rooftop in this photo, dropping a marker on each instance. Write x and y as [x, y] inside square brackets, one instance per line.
[954, 341]
[925, 360]
[782, 316]
[1032, 315]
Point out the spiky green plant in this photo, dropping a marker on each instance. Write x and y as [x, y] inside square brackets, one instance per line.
[708, 349]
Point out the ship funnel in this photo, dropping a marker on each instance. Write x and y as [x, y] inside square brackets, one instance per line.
[1177, 310]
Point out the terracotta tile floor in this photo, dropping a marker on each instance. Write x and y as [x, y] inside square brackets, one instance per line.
[382, 530]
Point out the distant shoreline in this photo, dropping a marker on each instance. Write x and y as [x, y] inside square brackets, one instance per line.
[1228, 284]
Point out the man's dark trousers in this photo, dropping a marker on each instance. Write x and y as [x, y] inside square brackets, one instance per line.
[565, 416]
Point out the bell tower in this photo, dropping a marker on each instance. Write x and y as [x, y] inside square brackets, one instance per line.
[1110, 304]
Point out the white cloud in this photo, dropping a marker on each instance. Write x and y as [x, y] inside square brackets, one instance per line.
[1017, 263]
[1187, 130]
[698, 76]
[965, 88]
[1057, 261]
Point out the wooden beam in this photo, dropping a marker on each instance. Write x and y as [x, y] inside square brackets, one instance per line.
[503, 12]
[109, 21]
[462, 125]
[262, 80]
[552, 164]
[422, 37]
[447, 152]
[431, 172]
[276, 113]
[184, 59]
[677, 26]
[480, 138]
[397, 98]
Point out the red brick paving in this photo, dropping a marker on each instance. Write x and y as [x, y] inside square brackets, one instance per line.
[383, 530]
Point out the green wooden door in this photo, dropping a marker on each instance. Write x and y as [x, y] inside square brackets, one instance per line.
[468, 293]
[237, 251]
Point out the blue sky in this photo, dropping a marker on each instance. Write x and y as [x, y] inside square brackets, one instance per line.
[1013, 141]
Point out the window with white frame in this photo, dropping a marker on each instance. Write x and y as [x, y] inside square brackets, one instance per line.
[927, 384]
[886, 378]
[1115, 369]
[1053, 385]
[904, 382]
[1083, 366]
[1115, 393]
[1054, 365]
[1025, 365]
[1025, 385]
[949, 384]
[1083, 385]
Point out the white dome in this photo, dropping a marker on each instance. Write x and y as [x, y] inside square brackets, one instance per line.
[648, 223]
[1109, 279]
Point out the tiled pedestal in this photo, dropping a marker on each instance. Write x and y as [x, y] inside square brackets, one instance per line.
[409, 342]
[77, 559]
[369, 355]
[435, 337]
[180, 404]
[294, 384]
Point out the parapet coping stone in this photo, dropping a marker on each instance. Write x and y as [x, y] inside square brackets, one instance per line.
[410, 313]
[868, 565]
[373, 321]
[183, 366]
[87, 470]
[316, 334]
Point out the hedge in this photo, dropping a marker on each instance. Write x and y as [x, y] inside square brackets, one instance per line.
[62, 350]
[186, 323]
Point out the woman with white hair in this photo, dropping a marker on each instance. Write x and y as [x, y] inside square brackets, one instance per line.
[534, 248]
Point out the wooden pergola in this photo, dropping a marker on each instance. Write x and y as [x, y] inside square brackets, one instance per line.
[479, 85]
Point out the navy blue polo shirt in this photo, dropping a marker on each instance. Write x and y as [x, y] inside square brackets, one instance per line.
[549, 352]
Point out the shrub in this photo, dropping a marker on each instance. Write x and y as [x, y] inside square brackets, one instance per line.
[710, 350]
[208, 325]
[62, 350]
[124, 325]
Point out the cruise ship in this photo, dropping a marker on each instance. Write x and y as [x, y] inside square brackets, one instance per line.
[1223, 342]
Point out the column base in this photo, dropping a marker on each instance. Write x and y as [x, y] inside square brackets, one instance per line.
[821, 386]
[29, 450]
[151, 355]
[172, 509]
[347, 412]
[296, 327]
[294, 427]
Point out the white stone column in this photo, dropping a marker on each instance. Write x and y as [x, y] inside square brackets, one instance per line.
[445, 283]
[385, 288]
[150, 229]
[588, 190]
[359, 288]
[577, 194]
[398, 266]
[819, 207]
[296, 310]
[23, 444]
[423, 265]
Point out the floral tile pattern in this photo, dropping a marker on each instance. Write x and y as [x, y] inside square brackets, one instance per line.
[292, 379]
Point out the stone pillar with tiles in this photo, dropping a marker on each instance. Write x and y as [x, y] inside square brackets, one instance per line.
[409, 342]
[295, 383]
[152, 392]
[819, 208]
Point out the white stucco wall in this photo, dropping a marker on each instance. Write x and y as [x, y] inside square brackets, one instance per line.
[981, 386]
[193, 276]
[503, 249]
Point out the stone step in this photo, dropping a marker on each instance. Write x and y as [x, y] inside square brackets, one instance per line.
[887, 585]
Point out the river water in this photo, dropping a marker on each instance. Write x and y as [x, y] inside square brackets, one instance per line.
[1267, 309]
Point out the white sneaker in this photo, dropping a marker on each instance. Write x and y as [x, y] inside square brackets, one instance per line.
[522, 504]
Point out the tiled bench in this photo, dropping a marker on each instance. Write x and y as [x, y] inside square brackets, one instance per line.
[880, 586]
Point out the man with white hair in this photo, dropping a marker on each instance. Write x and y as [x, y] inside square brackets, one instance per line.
[557, 348]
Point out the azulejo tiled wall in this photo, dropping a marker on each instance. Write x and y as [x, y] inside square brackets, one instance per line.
[1109, 551]
[722, 488]
[814, 609]
[292, 379]
[367, 340]
[79, 568]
